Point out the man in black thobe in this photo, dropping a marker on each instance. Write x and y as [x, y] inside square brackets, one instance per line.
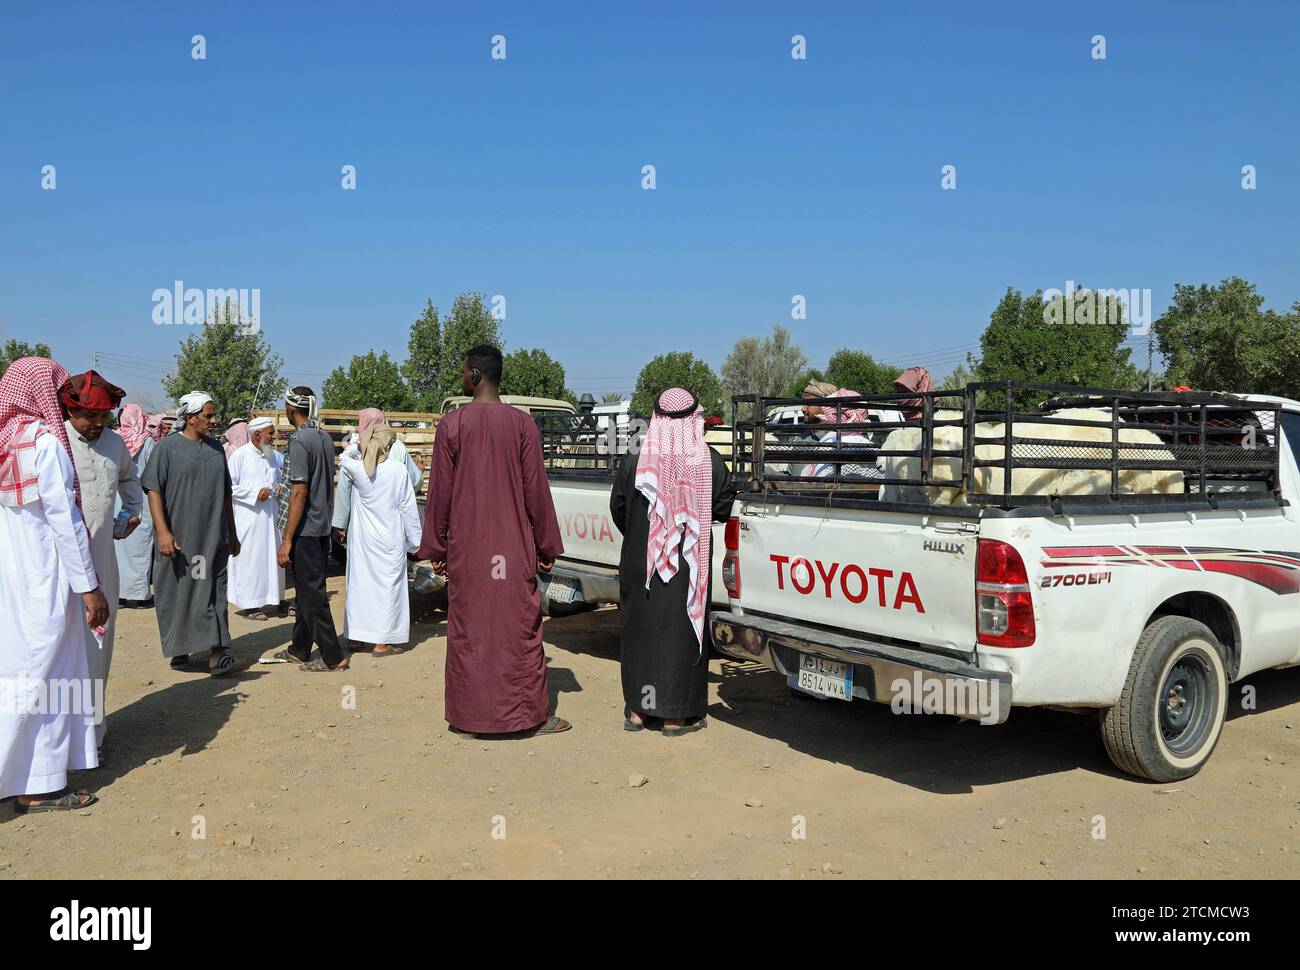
[664, 657]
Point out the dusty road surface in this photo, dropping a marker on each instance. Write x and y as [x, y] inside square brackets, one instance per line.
[285, 780]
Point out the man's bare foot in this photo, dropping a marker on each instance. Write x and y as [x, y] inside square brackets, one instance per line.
[635, 718]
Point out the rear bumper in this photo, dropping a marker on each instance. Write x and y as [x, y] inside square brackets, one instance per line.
[592, 587]
[909, 679]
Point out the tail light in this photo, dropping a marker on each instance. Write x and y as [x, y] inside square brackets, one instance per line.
[731, 562]
[1003, 604]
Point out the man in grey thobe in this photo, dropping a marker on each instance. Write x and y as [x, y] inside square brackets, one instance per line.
[194, 532]
[105, 470]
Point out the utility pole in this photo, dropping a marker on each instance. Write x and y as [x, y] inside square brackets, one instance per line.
[253, 405]
[1148, 360]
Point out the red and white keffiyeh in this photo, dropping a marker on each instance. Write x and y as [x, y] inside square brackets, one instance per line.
[674, 471]
[845, 415]
[367, 418]
[237, 436]
[29, 407]
[156, 426]
[132, 429]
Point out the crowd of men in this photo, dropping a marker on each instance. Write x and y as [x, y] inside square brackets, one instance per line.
[157, 512]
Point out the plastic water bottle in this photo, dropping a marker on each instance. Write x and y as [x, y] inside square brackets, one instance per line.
[120, 521]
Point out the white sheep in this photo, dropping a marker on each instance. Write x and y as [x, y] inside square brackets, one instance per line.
[988, 480]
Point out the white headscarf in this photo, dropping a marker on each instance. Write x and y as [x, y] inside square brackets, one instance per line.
[257, 424]
[191, 403]
[303, 402]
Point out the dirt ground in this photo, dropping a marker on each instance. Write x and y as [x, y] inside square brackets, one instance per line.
[289, 782]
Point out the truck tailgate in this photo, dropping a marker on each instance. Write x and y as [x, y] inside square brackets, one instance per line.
[899, 575]
[585, 525]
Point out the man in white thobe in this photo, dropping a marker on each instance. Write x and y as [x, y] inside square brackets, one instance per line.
[106, 471]
[385, 526]
[49, 597]
[256, 578]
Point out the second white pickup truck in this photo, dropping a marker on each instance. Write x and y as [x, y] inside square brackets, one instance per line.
[1142, 605]
[580, 464]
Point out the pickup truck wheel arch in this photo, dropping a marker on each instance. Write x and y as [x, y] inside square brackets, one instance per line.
[1171, 713]
[1216, 614]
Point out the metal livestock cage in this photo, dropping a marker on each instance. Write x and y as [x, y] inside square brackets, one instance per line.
[1224, 447]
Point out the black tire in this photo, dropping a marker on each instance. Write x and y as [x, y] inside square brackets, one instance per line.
[1170, 716]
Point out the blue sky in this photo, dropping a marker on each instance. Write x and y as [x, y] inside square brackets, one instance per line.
[522, 177]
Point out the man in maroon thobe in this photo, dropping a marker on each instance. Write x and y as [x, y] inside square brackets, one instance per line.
[490, 526]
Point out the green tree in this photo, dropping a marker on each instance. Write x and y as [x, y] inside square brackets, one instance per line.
[796, 386]
[962, 374]
[1020, 343]
[370, 381]
[1220, 338]
[532, 373]
[857, 371]
[12, 349]
[423, 366]
[678, 369]
[468, 324]
[229, 361]
[765, 367]
[611, 397]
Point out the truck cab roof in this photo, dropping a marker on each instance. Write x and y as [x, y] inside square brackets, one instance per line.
[529, 405]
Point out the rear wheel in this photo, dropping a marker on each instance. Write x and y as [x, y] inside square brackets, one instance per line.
[1171, 713]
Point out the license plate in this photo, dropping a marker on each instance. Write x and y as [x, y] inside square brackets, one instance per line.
[825, 678]
[561, 591]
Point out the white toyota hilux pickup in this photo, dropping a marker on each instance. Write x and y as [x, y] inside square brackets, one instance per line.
[1129, 553]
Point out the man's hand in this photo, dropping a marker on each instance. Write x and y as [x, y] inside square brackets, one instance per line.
[341, 536]
[131, 523]
[263, 495]
[96, 607]
[282, 554]
[167, 544]
[440, 568]
[545, 565]
[234, 544]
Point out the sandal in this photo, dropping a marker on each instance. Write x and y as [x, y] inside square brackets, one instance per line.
[180, 663]
[319, 666]
[286, 656]
[465, 734]
[629, 724]
[57, 803]
[260, 616]
[390, 652]
[553, 725]
[227, 665]
[677, 732]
